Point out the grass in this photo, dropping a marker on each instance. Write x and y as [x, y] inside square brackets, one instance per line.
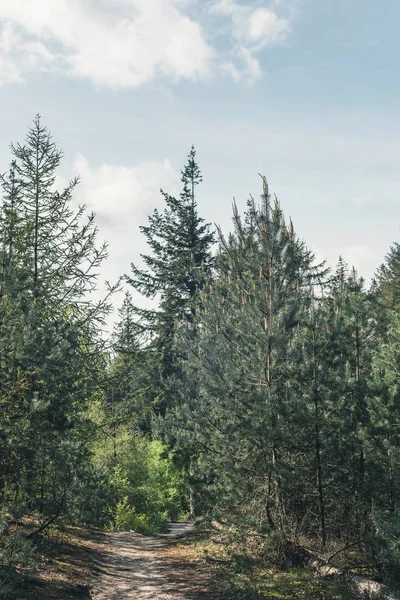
[235, 573]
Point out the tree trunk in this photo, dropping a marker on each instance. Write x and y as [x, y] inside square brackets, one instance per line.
[321, 499]
[194, 504]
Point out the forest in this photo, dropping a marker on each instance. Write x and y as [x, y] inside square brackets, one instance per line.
[259, 389]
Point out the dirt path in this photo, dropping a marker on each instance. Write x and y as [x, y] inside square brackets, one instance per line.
[139, 568]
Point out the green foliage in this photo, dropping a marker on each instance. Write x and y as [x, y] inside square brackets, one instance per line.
[387, 279]
[49, 335]
[175, 270]
[243, 581]
[245, 413]
[18, 558]
[126, 518]
[273, 384]
[292, 407]
[384, 544]
[145, 488]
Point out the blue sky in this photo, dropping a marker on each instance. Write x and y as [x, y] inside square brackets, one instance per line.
[303, 91]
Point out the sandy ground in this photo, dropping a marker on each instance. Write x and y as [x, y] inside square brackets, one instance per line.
[135, 567]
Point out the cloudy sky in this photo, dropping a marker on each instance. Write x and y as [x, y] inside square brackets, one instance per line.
[303, 91]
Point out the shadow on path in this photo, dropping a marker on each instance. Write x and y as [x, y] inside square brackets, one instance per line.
[135, 567]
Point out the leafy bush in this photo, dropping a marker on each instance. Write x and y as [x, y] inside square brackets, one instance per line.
[145, 488]
[126, 518]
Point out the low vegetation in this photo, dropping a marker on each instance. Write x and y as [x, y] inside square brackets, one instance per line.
[256, 568]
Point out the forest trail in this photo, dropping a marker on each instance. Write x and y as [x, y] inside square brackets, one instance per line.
[137, 567]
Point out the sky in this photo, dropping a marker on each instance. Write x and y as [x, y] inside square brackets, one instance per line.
[305, 92]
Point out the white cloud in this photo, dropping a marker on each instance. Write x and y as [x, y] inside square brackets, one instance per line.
[8, 70]
[252, 29]
[114, 43]
[17, 54]
[127, 43]
[359, 201]
[264, 26]
[122, 197]
[249, 68]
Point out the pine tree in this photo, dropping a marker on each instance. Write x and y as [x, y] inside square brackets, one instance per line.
[340, 349]
[388, 278]
[245, 358]
[52, 340]
[382, 431]
[175, 271]
[60, 246]
[129, 374]
[125, 334]
[12, 218]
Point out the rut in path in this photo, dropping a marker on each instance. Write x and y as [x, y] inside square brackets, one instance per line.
[136, 568]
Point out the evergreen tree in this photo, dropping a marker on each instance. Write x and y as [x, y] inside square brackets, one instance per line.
[382, 435]
[278, 386]
[60, 242]
[12, 218]
[125, 335]
[130, 371]
[245, 358]
[352, 331]
[52, 339]
[388, 279]
[176, 269]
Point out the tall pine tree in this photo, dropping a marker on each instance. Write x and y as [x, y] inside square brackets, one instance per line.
[52, 336]
[245, 412]
[180, 260]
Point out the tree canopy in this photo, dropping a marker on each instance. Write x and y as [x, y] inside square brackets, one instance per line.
[258, 387]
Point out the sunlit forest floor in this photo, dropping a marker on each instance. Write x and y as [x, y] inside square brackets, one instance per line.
[239, 576]
[91, 564]
[80, 563]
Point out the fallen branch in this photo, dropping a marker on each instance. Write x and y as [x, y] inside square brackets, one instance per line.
[360, 585]
[50, 520]
[328, 560]
[211, 559]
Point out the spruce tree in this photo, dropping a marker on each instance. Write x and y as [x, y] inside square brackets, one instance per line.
[125, 335]
[180, 260]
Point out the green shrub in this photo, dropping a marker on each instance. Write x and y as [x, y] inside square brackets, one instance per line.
[17, 559]
[127, 519]
[144, 477]
[384, 544]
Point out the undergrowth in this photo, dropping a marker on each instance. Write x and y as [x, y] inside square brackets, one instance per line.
[258, 567]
